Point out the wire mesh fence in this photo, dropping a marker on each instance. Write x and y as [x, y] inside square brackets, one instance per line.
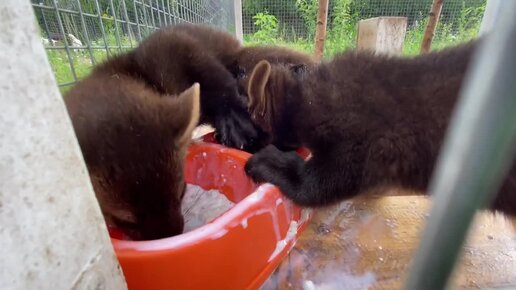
[292, 22]
[80, 33]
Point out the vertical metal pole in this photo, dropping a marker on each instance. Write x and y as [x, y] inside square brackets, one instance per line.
[152, 15]
[172, 18]
[47, 30]
[476, 155]
[97, 6]
[65, 38]
[85, 29]
[157, 12]
[137, 20]
[129, 28]
[164, 12]
[180, 11]
[117, 33]
[145, 15]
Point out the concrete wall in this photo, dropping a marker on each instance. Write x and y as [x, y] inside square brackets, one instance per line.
[52, 234]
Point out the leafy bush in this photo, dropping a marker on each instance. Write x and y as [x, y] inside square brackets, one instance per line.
[268, 27]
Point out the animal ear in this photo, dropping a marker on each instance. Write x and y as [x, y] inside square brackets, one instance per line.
[256, 89]
[189, 101]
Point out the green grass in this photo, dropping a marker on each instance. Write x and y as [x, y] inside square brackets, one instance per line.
[81, 60]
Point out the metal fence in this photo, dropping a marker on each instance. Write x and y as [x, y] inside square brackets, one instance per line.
[293, 21]
[80, 33]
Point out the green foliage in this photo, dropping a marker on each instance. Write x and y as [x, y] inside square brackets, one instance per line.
[308, 10]
[341, 34]
[268, 27]
[460, 21]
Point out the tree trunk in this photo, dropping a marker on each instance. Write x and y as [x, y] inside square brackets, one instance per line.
[437, 6]
[320, 29]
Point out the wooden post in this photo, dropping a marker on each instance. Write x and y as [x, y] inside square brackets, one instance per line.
[237, 6]
[433, 18]
[383, 35]
[320, 29]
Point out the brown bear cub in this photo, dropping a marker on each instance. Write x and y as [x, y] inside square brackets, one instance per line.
[250, 56]
[134, 141]
[174, 57]
[369, 121]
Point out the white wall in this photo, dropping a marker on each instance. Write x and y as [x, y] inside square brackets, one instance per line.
[52, 235]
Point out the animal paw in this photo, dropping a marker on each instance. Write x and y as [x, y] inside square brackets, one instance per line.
[235, 129]
[274, 166]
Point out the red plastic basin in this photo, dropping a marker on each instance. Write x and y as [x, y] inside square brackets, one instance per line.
[238, 250]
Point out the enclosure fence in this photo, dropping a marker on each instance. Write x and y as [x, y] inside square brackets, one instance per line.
[292, 22]
[80, 33]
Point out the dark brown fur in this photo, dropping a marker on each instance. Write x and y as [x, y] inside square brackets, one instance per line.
[133, 131]
[370, 121]
[134, 141]
[249, 56]
[174, 57]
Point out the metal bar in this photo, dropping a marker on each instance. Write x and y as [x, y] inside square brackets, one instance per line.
[40, 5]
[66, 84]
[152, 14]
[170, 17]
[85, 47]
[175, 8]
[145, 17]
[117, 32]
[157, 10]
[137, 22]
[198, 12]
[97, 7]
[477, 152]
[127, 21]
[180, 11]
[64, 10]
[164, 12]
[65, 38]
[85, 29]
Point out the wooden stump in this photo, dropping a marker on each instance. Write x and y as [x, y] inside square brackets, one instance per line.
[383, 35]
